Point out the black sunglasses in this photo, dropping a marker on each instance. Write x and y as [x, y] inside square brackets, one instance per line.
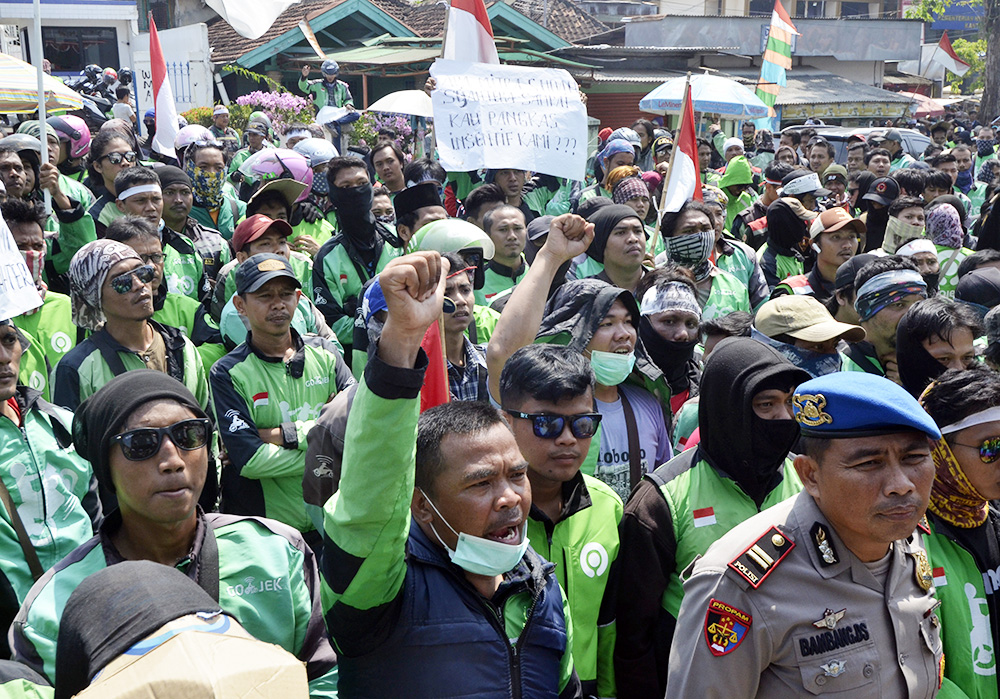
[551, 426]
[143, 442]
[989, 450]
[117, 158]
[123, 282]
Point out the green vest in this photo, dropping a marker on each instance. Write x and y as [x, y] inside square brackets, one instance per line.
[52, 327]
[949, 259]
[33, 371]
[728, 294]
[495, 283]
[965, 620]
[183, 271]
[320, 231]
[704, 505]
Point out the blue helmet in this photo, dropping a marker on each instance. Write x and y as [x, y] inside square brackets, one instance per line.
[330, 67]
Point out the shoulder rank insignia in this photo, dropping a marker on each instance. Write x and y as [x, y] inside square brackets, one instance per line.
[811, 413]
[830, 619]
[924, 526]
[725, 627]
[924, 574]
[824, 546]
[763, 556]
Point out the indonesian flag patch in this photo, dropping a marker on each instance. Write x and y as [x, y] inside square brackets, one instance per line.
[939, 577]
[725, 627]
[260, 399]
[703, 517]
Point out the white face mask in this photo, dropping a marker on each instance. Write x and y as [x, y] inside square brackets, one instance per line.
[482, 556]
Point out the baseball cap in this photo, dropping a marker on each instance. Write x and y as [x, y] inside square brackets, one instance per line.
[835, 172]
[883, 190]
[803, 318]
[662, 144]
[802, 182]
[257, 128]
[893, 135]
[847, 272]
[260, 269]
[833, 220]
[254, 227]
[220, 109]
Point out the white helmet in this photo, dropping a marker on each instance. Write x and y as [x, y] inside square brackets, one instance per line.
[316, 150]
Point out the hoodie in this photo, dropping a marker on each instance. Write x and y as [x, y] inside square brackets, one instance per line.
[734, 439]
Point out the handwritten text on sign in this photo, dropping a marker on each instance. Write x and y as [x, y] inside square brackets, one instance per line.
[501, 116]
[17, 289]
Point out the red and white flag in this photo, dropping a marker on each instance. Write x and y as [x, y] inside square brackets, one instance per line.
[260, 399]
[703, 517]
[163, 97]
[469, 36]
[683, 179]
[946, 56]
[939, 577]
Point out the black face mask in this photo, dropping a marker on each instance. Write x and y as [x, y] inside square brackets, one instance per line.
[770, 442]
[671, 357]
[932, 280]
[354, 213]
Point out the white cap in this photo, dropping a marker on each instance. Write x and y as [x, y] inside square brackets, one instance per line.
[917, 246]
[730, 142]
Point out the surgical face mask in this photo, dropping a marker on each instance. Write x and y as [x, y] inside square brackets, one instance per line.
[898, 232]
[692, 251]
[480, 556]
[611, 368]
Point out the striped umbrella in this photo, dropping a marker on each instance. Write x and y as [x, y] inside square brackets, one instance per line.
[19, 89]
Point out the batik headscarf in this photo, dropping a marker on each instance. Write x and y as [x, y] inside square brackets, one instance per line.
[87, 271]
[944, 226]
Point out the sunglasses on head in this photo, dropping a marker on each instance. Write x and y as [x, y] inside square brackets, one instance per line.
[989, 450]
[582, 426]
[123, 282]
[117, 158]
[143, 442]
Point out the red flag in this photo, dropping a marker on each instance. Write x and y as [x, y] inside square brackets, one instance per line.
[946, 56]
[163, 97]
[684, 178]
[435, 390]
[469, 34]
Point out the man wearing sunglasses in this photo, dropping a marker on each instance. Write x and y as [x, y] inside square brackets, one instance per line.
[111, 293]
[139, 194]
[429, 582]
[53, 488]
[268, 393]
[964, 544]
[548, 394]
[147, 439]
[739, 468]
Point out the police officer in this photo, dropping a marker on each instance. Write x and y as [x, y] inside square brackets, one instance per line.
[830, 591]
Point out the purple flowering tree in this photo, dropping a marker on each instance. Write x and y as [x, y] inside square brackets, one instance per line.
[366, 129]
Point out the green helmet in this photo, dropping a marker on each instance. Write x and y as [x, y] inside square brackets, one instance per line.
[451, 235]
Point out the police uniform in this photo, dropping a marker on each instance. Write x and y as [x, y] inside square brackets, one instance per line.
[779, 607]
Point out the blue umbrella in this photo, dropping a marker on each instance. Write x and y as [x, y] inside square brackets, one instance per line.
[710, 93]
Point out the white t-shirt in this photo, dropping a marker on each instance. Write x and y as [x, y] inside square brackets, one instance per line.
[613, 459]
[121, 110]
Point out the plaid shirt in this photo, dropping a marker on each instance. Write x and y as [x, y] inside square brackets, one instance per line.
[470, 382]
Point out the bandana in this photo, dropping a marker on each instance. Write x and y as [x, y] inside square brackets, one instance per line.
[953, 497]
[985, 146]
[206, 186]
[692, 251]
[944, 227]
[887, 288]
[898, 232]
[87, 271]
[916, 246]
[985, 173]
[964, 181]
[35, 259]
[713, 195]
[816, 364]
[672, 296]
[615, 146]
[629, 188]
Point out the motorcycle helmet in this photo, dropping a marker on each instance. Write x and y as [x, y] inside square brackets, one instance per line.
[330, 67]
[274, 163]
[317, 151]
[109, 76]
[92, 72]
[74, 132]
[125, 76]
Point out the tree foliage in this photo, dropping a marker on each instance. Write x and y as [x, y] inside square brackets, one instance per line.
[973, 53]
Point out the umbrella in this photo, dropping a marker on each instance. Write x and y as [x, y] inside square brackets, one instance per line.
[710, 93]
[19, 89]
[413, 102]
[924, 106]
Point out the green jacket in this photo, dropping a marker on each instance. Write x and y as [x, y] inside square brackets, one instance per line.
[967, 630]
[267, 580]
[35, 368]
[74, 228]
[52, 327]
[738, 171]
[231, 212]
[100, 358]
[584, 546]
[51, 486]
[367, 522]
[75, 190]
[728, 294]
[948, 261]
[253, 391]
[341, 93]
[499, 278]
[302, 266]
[183, 268]
[337, 278]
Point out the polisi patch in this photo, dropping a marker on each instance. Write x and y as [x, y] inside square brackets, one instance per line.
[762, 556]
[725, 627]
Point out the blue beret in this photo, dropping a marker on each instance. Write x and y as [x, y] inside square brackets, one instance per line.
[855, 404]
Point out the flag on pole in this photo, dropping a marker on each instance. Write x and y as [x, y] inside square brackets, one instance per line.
[946, 56]
[777, 57]
[163, 97]
[435, 390]
[468, 35]
[683, 181]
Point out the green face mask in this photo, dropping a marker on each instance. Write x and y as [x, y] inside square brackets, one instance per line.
[611, 368]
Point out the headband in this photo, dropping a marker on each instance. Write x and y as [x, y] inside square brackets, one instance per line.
[293, 133]
[915, 246]
[886, 288]
[139, 189]
[980, 418]
[672, 296]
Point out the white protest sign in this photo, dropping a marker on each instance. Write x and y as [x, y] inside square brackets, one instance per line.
[502, 116]
[17, 289]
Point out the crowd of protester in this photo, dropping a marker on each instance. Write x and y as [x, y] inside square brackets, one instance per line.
[578, 483]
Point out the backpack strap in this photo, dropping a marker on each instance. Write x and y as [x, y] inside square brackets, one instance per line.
[632, 430]
[30, 556]
[208, 563]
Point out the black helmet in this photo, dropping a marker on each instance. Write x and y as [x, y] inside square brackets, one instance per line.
[92, 72]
